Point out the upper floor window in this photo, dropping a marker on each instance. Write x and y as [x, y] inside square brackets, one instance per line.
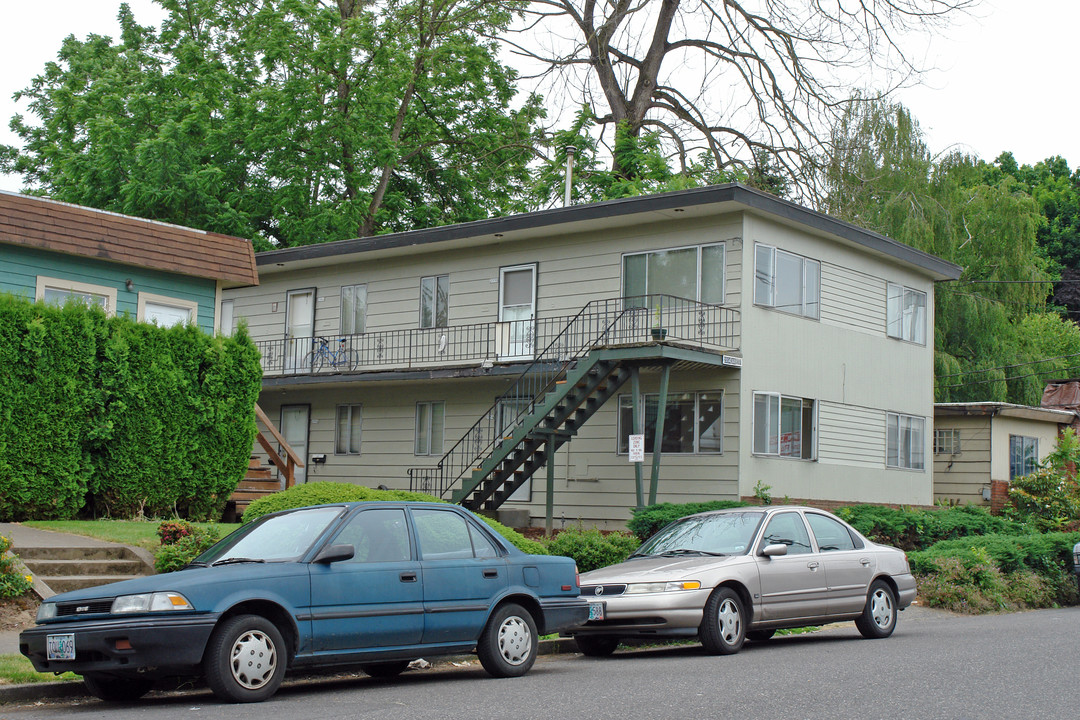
[429, 428]
[353, 309]
[434, 301]
[57, 292]
[787, 282]
[693, 423]
[784, 426]
[905, 311]
[695, 273]
[1023, 455]
[904, 441]
[946, 442]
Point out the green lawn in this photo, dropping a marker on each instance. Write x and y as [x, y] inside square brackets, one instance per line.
[142, 533]
[15, 670]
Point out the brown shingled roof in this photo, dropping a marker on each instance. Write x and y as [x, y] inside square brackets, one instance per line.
[75, 230]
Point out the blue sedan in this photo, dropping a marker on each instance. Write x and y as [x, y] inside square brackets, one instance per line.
[374, 584]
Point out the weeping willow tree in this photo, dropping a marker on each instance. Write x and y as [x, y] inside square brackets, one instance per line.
[994, 338]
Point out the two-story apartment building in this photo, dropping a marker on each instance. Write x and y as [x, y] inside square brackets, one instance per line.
[747, 339]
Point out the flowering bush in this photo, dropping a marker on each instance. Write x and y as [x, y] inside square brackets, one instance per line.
[13, 583]
[181, 542]
[170, 532]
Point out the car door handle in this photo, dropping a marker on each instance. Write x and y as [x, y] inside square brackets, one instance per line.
[865, 562]
[408, 577]
[491, 573]
[813, 565]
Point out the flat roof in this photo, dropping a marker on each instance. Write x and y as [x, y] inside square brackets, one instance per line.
[1026, 412]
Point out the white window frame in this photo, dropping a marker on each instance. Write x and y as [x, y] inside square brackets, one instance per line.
[227, 310]
[622, 443]
[428, 432]
[899, 321]
[145, 298]
[777, 427]
[73, 286]
[351, 312]
[1026, 441]
[911, 460]
[699, 249]
[946, 441]
[808, 308]
[355, 411]
[435, 301]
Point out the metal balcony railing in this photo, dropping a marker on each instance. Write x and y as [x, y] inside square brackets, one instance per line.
[630, 321]
[601, 323]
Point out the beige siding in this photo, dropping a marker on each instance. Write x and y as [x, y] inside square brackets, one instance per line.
[960, 477]
[851, 435]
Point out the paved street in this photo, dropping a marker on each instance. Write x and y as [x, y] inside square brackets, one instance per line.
[936, 666]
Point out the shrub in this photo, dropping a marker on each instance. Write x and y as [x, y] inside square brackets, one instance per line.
[323, 493]
[184, 547]
[646, 521]
[1047, 498]
[910, 529]
[13, 583]
[170, 532]
[1041, 553]
[592, 549]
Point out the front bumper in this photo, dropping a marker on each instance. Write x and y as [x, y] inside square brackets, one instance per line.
[650, 614]
[158, 645]
[562, 614]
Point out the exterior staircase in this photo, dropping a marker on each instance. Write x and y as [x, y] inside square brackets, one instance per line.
[73, 568]
[258, 482]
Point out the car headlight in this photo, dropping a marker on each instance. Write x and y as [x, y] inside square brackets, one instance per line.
[150, 602]
[47, 611]
[659, 587]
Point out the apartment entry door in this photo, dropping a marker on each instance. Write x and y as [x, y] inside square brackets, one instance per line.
[294, 428]
[299, 327]
[517, 312]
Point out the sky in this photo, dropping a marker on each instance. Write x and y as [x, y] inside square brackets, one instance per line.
[1003, 78]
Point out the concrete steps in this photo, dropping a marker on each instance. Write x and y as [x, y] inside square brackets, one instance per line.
[73, 568]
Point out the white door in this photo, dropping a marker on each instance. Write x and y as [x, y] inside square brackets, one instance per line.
[517, 312]
[294, 428]
[299, 326]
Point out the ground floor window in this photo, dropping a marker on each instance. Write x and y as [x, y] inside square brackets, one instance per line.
[429, 428]
[904, 441]
[56, 291]
[784, 426]
[946, 442]
[1023, 455]
[348, 430]
[693, 422]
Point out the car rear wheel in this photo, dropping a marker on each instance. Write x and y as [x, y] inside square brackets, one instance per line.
[760, 635]
[245, 659]
[385, 669]
[596, 646]
[110, 687]
[723, 629]
[507, 647]
[878, 619]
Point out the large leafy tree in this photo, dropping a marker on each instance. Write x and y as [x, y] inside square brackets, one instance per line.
[994, 337]
[297, 121]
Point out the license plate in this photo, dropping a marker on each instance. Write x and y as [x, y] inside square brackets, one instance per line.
[61, 647]
[596, 611]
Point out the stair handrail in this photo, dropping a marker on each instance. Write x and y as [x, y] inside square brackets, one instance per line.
[287, 465]
[556, 358]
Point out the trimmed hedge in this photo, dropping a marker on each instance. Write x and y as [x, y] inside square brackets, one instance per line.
[132, 418]
[911, 529]
[323, 493]
[1041, 553]
[647, 521]
[592, 549]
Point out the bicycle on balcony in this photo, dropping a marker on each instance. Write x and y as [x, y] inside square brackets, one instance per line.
[321, 356]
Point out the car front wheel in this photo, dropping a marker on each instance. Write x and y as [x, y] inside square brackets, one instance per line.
[878, 619]
[507, 647]
[723, 629]
[245, 659]
[119, 689]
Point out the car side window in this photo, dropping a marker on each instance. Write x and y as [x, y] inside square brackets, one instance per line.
[481, 545]
[377, 536]
[443, 535]
[787, 529]
[830, 534]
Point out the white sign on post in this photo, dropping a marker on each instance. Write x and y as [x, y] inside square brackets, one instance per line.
[637, 448]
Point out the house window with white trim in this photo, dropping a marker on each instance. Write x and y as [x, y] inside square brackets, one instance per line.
[693, 423]
[1023, 456]
[694, 273]
[434, 301]
[787, 282]
[348, 430]
[904, 441]
[785, 426]
[56, 291]
[905, 311]
[165, 311]
[429, 428]
[353, 309]
[946, 442]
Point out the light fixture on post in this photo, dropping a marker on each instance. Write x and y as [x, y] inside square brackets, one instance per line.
[129, 284]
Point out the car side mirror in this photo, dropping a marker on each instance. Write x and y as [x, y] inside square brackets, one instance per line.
[335, 553]
[774, 550]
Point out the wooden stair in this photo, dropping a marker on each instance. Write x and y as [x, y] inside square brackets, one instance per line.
[258, 482]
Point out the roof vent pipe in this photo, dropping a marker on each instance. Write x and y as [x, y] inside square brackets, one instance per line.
[570, 150]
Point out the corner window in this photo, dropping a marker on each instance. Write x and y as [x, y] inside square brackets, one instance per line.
[904, 441]
[429, 428]
[353, 309]
[905, 311]
[693, 423]
[1023, 455]
[434, 301]
[226, 323]
[695, 273]
[58, 292]
[946, 442]
[786, 282]
[348, 430]
[784, 426]
[165, 311]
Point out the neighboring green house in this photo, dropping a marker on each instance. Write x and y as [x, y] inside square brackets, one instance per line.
[151, 271]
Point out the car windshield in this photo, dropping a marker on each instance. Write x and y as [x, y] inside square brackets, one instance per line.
[281, 537]
[720, 534]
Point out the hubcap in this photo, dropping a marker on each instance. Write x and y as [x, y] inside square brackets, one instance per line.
[730, 622]
[881, 608]
[253, 659]
[515, 640]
